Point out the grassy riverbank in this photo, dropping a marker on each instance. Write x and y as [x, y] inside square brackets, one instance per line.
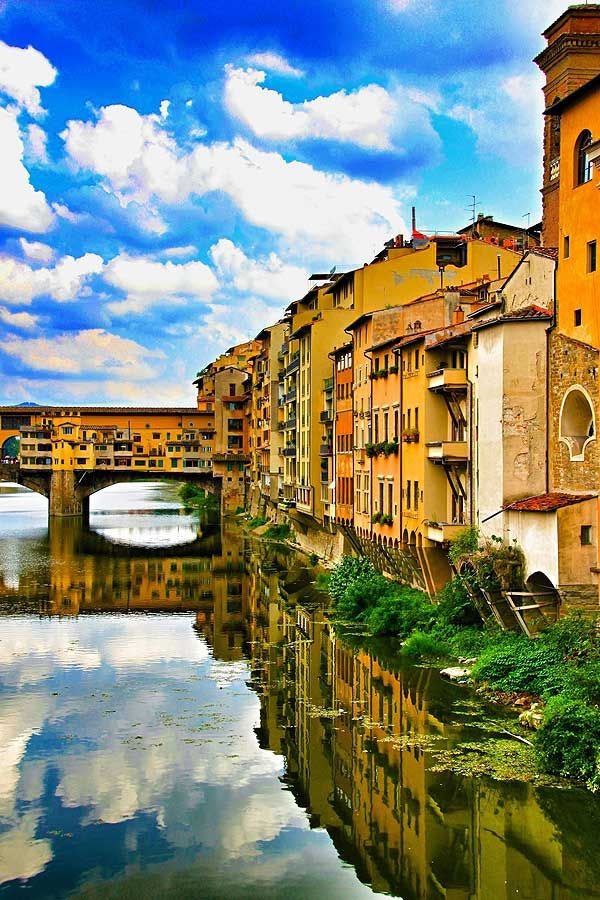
[560, 669]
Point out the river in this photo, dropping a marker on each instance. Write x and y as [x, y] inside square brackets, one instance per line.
[178, 719]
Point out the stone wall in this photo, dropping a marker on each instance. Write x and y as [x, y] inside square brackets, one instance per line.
[581, 597]
[572, 363]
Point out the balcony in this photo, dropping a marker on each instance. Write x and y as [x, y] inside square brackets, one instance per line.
[326, 415]
[289, 451]
[326, 450]
[448, 452]
[294, 365]
[289, 423]
[448, 380]
[290, 396]
[443, 532]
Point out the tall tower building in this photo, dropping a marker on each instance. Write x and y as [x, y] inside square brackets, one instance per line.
[571, 59]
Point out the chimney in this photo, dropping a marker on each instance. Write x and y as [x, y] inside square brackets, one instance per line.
[458, 316]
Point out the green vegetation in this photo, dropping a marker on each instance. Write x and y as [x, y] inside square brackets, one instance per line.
[257, 521]
[191, 495]
[561, 666]
[278, 532]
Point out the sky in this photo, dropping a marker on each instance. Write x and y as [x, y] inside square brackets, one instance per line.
[171, 173]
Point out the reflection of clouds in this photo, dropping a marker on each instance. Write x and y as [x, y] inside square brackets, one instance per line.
[29, 654]
[142, 720]
[21, 854]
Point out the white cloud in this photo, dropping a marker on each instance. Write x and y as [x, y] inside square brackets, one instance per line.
[270, 277]
[21, 206]
[35, 144]
[504, 112]
[93, 352]
[135, 156]
[274, 62]
[178, 252]
[36, 250]
[138, 162]
[330, 215]
[147, 282]
[63, 212]
[22, 72]
[20, 283]
[363, 117]
[17, 320]
[225, 324]
[164, 108]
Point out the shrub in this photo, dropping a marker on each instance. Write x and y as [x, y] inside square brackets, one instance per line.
[348, 570]
[362, 595]
[421, 645]
[516, 663]
[455, 606]
[568, 743]
[278, 532]
[257, 521]
[400, 611]
[574, 637]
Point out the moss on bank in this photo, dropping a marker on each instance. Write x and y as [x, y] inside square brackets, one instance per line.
[561, 667]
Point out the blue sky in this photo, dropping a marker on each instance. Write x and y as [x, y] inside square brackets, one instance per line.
[169, 176]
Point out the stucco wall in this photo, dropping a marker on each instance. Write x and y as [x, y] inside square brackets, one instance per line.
[537, 535]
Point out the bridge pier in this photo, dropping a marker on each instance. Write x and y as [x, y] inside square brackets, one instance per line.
[65, 495]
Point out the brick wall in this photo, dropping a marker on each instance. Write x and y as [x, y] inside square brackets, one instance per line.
[572, 363]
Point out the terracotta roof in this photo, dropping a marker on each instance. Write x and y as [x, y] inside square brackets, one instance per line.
[550, 252]
[528, 312]
[548, 502]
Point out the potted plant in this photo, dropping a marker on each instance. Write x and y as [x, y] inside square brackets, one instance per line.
[376, 518]
[370, 450]
[393, 370]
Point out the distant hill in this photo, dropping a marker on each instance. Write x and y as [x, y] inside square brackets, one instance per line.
[28, 404]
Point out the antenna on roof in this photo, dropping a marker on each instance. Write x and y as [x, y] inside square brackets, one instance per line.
[332, 270]
[472, 208]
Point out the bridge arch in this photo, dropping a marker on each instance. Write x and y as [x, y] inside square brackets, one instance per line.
[10, 448]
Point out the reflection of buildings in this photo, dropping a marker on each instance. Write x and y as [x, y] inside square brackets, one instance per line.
[408, 831]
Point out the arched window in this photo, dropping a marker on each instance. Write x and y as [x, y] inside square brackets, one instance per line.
[577, 422]
[583, 166]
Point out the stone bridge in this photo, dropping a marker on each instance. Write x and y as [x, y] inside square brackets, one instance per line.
[68, 492]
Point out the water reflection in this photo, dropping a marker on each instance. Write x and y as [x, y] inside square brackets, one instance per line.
[241, 746]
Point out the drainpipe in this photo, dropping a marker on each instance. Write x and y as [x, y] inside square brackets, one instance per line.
[549, 331]
[368, 356]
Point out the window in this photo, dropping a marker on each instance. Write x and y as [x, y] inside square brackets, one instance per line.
[577, 317]
[566, 247]
[583, 166]
[591, 256]
[416, 359]
[232, 390]
[155, 435]
[416, 494]
[586, 535]
[408, 495]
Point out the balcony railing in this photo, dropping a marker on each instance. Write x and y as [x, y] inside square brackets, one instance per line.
[289, 451]
[289, 423]
[326, 415]
[294, 365]
[448, 380]
[448, 452]
[290, 396]
[443, 532]
[326, 450]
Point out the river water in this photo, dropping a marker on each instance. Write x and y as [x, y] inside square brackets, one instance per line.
[178, 719]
